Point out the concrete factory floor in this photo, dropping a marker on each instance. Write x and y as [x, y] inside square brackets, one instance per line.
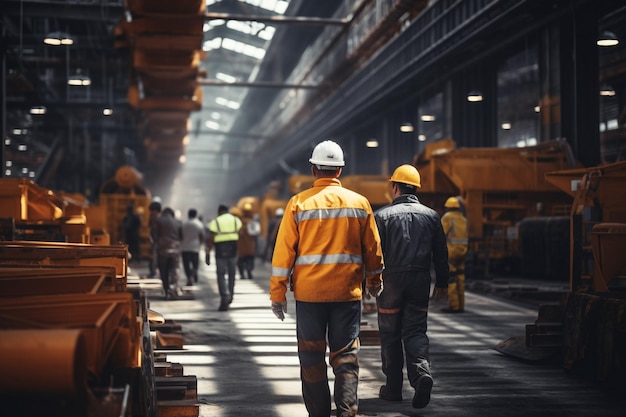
[246, 363]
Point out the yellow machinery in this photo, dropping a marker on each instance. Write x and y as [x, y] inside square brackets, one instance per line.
[116, 195]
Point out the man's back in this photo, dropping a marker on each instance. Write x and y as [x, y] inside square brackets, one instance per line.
[193, 230]
[168, 230]
[335, 235]
[411, 234]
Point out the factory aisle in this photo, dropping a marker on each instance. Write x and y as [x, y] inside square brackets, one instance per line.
[246, 363]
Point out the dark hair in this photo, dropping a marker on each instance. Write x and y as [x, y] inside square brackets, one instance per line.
[192, 213]
[155, 206]
[223, 208]
[406, 188]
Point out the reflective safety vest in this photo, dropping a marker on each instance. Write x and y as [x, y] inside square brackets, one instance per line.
[226, 227]
[327, 244]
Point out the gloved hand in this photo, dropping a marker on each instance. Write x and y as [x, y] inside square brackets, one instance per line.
[374, 291]
[207, 259]
[279, 309]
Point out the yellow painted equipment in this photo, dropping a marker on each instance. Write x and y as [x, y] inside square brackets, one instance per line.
[116, 195]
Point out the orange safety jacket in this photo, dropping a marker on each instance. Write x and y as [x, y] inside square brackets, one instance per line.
[327, 244]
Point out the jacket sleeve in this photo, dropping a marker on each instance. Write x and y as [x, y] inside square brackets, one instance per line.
[372, 252]
[440, 256]
[284, 256]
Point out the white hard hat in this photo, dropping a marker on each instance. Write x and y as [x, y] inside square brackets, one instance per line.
[279, 212]
[327, 155]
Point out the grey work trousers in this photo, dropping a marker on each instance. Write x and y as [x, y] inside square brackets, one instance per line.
[402, 322]
[339, 323]
[226, 286]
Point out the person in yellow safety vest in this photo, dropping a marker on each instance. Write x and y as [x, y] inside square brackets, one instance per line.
[327, 244]
[456, 228]
[224, 234]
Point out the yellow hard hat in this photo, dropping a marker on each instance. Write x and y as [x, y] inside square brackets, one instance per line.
[452, 202]
[247, 207]
[407, 174]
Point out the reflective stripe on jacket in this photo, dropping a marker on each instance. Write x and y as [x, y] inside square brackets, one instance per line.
[226, 227]
[327, 243]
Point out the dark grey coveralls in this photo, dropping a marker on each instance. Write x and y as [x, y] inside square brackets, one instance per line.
[411, 236]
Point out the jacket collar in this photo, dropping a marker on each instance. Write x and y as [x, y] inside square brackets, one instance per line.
[324, 182]
[406, 198]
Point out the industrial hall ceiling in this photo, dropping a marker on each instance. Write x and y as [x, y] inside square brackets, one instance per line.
[173, 88]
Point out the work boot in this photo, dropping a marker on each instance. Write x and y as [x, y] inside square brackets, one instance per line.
[223, 306]
[422, 391]
[388, 396]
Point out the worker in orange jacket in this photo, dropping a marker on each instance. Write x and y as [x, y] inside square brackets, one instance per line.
[456, 229]
[327, 244]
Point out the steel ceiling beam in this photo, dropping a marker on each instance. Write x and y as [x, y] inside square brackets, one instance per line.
[264, 84]
[277, 19]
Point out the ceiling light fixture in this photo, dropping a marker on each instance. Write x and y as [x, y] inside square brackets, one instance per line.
[79, 79]
[607, 38]
[38, 110]
[107, 111]
[474, 96]
[372, 143]
[406, 127]
[427, 118]
[607, 91]
[421, 138]
[58, 38]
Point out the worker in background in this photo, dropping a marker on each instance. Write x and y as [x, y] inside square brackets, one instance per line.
[132, 226]
[456, 228]
[327, 244]
[223, 235]
[246, 245]
[193, 238]
[154, 212]
[412, 237]
[272, 232]
[169, 233]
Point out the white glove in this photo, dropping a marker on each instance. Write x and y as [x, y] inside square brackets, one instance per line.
[374, 291]
[279, 309]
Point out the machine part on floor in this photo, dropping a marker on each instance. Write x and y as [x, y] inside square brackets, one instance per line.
[50, 361]
[588, 325]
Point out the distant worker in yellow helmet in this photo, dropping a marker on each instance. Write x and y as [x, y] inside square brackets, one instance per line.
[412, 237]
[455, 227]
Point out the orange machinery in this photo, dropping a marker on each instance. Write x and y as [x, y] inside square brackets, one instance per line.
[587, 328]
[598, 225]
[31, 212]
[499, 186]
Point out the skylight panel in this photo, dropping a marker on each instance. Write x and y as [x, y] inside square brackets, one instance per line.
[211, 44]
[225, 77]
[277, 6]
[243, 48]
